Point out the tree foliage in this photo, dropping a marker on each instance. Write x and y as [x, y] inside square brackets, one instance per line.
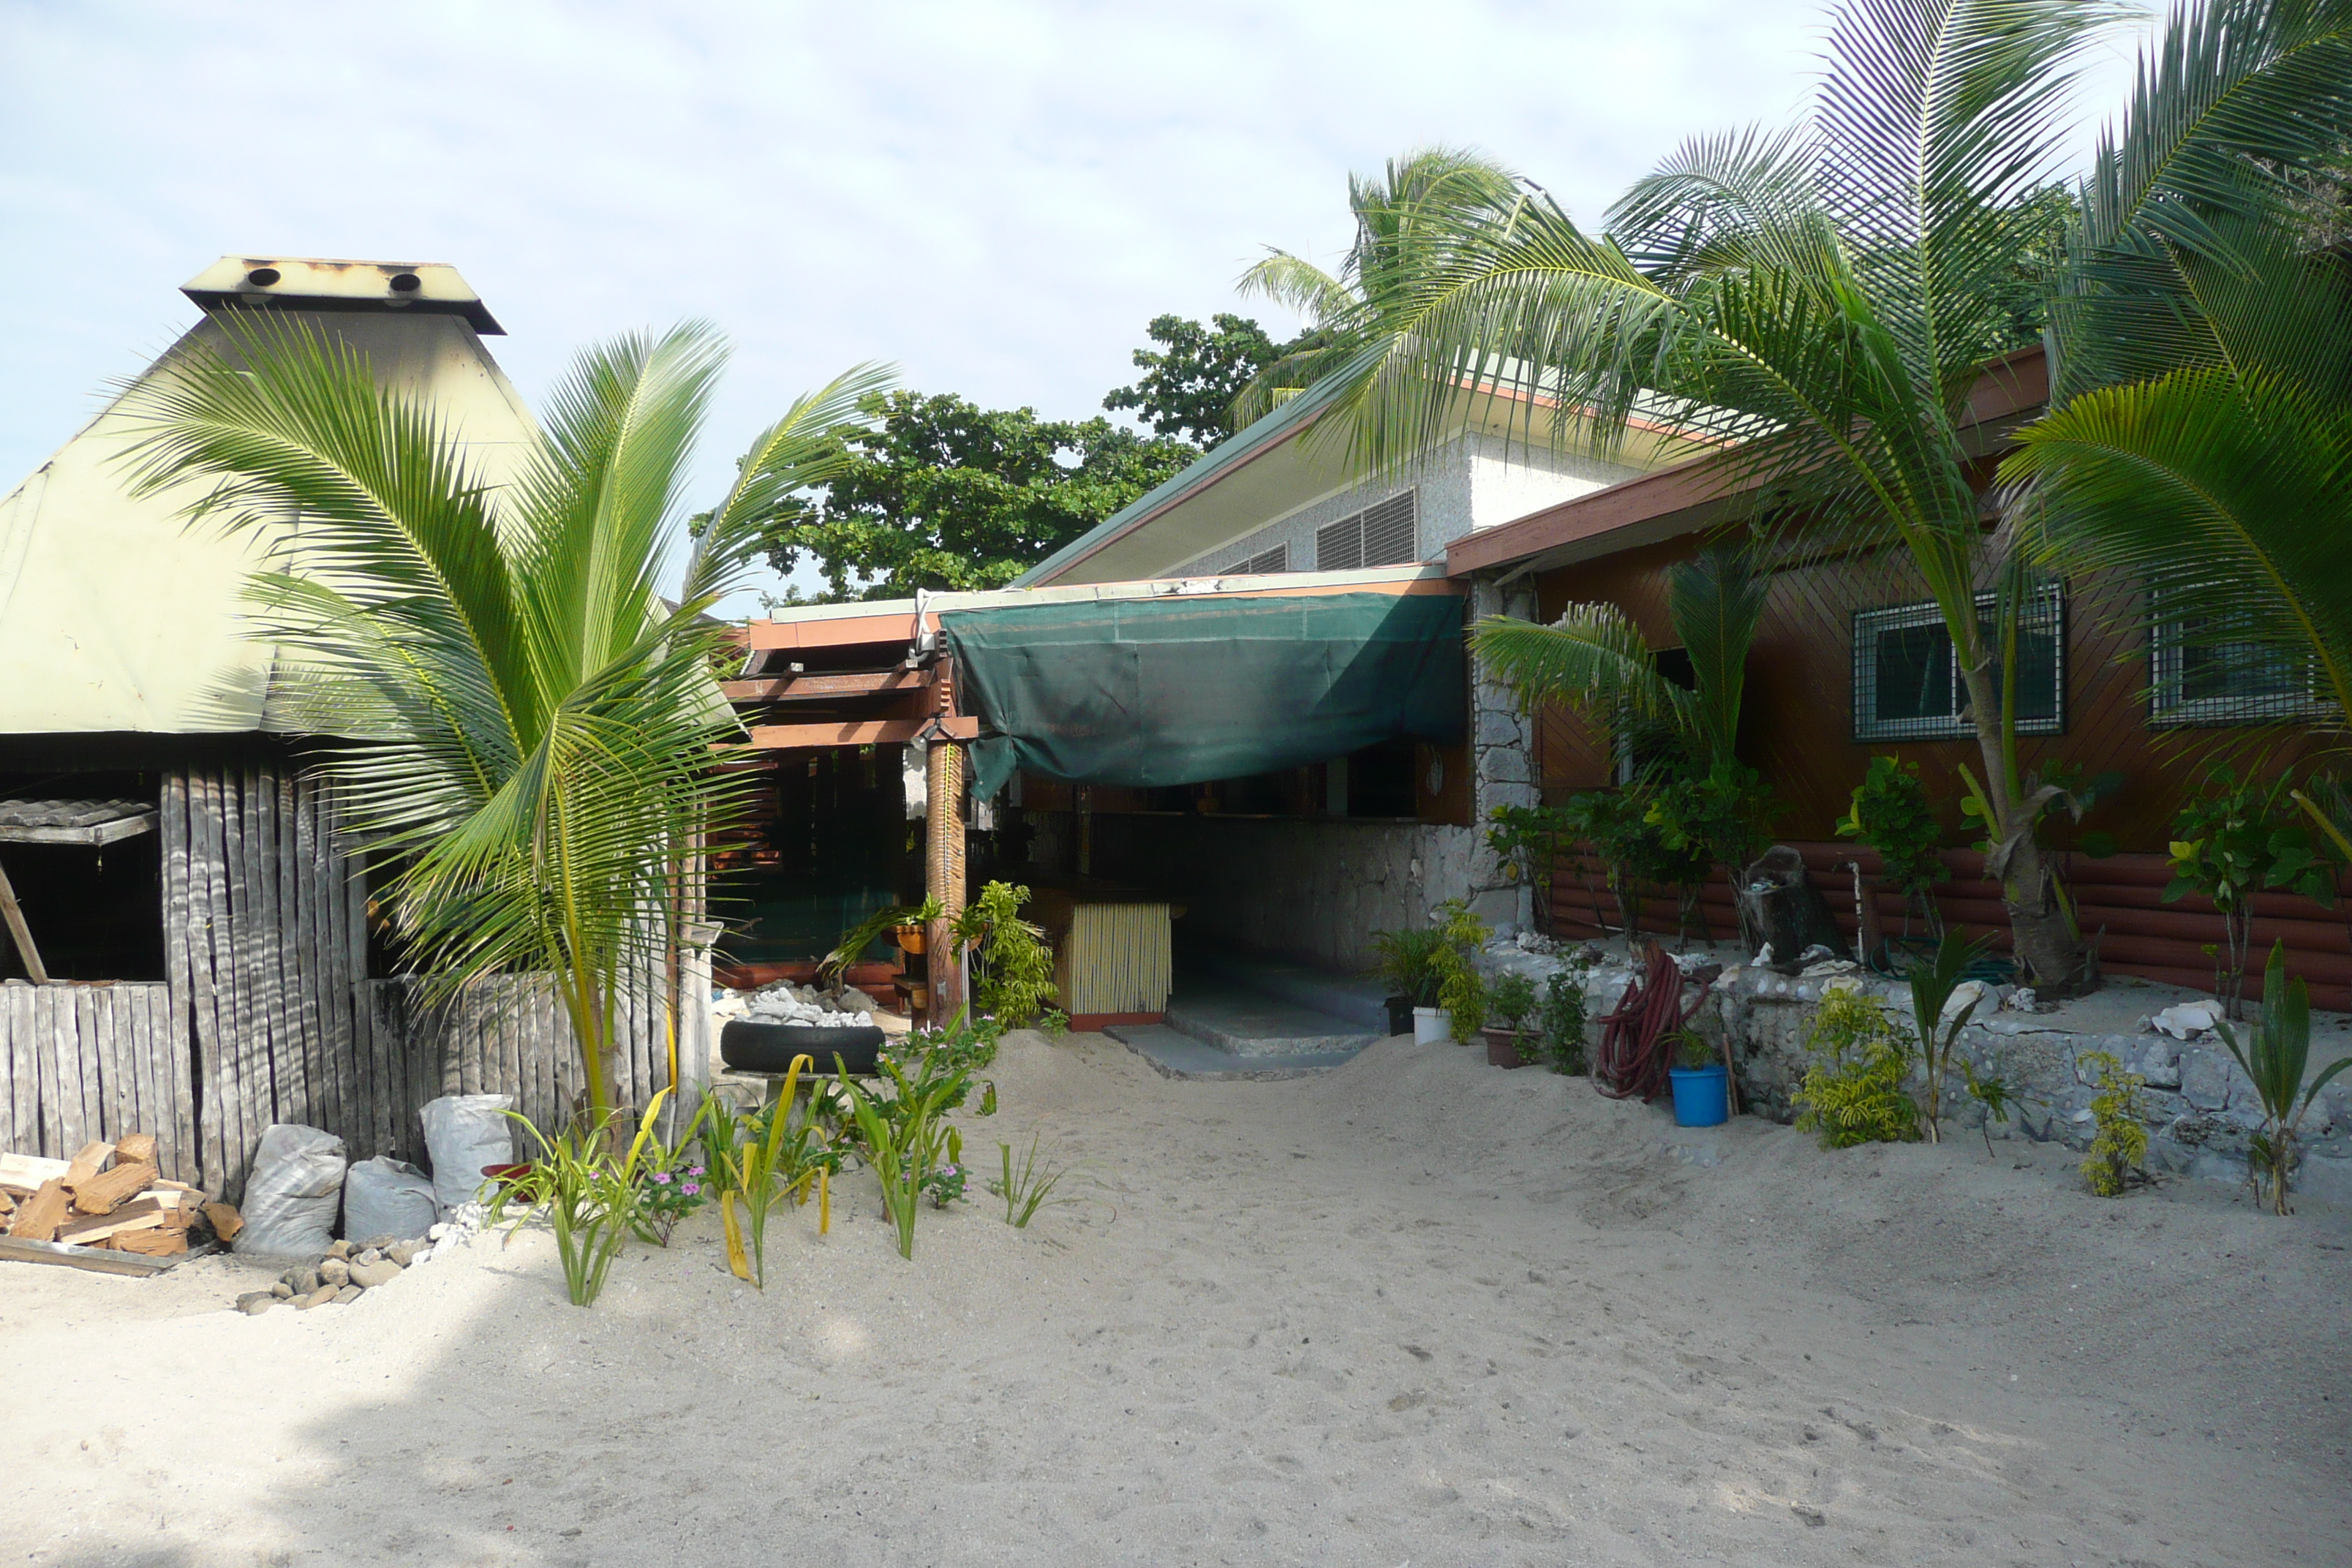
[939, 493]
[1188, 386]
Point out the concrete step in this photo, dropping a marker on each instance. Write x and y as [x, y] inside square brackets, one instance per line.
[1249, 1022]
[1174, 1054]
[1359, 1001]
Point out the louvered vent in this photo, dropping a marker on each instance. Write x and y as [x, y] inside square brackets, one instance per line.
[1381, 535]
[1275, 560]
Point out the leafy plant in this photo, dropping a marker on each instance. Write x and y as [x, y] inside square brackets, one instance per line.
[1994, 1094]
[1461, 989]
[538, 721]
[904, 1136]
[1025, 1187]
[2274, 1056]
[1692, 1049]
[765, 1157]
[2119, 1135]
[1854, 1089]
[673, 1184]
[1891, 813]
[1463, 994]
[589, 1197]
[1529, 839]
[871, 929]
[1615, 823]
[2234, 839]
[1408, 962]
[1563, 1022]
[1932, 985]
[1012, 967]
[1511, 1001]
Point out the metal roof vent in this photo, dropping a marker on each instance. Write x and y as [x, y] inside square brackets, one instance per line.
[311, 283]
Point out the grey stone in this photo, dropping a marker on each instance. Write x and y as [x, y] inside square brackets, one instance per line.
[253, 1303]
[373, 1255]
[1500, 727]
[301, 1281]
[282, 1290]
[348, 1294]
[2205, 1079]
[2161, 1066]
[334, 1271]
[405, 1252]
[1506, 763]
[378, 1243]
[340, 1249]
[367, 1276]
[319, 1298]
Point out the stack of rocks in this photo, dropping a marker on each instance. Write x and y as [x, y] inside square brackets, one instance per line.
[808, 1006]
[352, 1268]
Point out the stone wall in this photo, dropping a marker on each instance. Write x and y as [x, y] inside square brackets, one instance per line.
[2200, 1109]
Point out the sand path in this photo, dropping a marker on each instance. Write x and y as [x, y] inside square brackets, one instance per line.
[1417, 1310]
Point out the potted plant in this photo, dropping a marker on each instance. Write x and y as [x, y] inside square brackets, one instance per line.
[1702, 1085]
[1510, 1003]
[1408, 963]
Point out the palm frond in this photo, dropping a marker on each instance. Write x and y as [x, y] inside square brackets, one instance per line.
[1715, 602]
[1593, 658]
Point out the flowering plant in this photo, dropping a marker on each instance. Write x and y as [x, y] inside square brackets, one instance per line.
[671, 1186]
[944, 1185]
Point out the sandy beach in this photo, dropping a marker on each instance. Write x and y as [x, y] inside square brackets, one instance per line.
[1416, 1310]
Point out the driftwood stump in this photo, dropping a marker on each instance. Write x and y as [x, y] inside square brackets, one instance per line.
[1782, 908]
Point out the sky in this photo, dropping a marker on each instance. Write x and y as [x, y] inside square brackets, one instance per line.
[994, 196]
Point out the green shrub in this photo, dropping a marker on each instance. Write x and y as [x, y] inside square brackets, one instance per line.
[1854, 1091]
[2119, 1138]
[2274, 1056]
[1512, 1000]
[1891, 813]
[1408, 963]
[1562, 1026]
[589, 1194]
[1013, 968]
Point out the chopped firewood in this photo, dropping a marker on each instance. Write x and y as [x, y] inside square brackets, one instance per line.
[23, 1174]
[177, 1218]
[138, 1146]
[100, 1194]
[38, 1218]
[163, 1243]
[87, 1161]
[145, 1213]
[165, 1185]
[227, 1221]
[7, 1204]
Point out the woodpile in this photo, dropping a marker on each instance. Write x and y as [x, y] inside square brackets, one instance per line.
[109, 1197]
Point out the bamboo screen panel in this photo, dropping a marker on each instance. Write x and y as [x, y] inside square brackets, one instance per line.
[1115, 958]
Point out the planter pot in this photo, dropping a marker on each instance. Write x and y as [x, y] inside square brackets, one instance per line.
[1503, 1047]
[747, 1045]
[910, 939]
[1432, 1026]
[1702, 1096]
[1399, 1015]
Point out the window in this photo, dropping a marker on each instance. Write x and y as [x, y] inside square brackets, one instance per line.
[1381, 535]
[1275, 560]
[1909, 687]
[2199, 677]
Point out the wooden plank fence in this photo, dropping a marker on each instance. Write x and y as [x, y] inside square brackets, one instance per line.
[267, 1013]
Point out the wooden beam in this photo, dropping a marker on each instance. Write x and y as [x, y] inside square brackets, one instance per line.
[804, 688]
[21, 933]
[95, 834]
[839, 631]
[855, 732]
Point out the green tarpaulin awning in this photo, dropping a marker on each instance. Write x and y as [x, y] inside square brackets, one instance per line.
[1181, 690]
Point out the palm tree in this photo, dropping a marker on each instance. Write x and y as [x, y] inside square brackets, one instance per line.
[1816, 303]
[2200, 438]
[1405, 220]
[537, 723]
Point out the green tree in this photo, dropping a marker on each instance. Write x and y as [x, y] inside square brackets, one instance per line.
[1819, 303]
[1189, 387]
[936, 493]
[2200, 430]
[539, 721]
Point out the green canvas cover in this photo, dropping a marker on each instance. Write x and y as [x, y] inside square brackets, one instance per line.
[1181, 690]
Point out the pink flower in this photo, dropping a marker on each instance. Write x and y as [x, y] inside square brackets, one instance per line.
[691, 1188]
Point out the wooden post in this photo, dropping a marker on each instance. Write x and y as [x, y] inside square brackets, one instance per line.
[21, 932]
[943, 859]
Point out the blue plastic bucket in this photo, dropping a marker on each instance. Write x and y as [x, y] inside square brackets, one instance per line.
[1702, 1096]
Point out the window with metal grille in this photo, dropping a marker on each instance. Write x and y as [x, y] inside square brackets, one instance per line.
[2201, 675]
[1275, 560]
[1909, 687]
[1382, 535]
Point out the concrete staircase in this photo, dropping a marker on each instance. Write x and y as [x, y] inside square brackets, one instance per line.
[1237, 1016]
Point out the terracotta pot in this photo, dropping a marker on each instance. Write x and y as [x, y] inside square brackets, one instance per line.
[1503, 1047]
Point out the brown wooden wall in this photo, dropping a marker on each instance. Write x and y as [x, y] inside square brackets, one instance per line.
[1797, 722]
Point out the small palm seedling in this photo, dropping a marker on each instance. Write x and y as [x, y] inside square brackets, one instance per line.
[1994, 1094]
[2274, 1055]
[590, 1196]
[1027, 1188]
[765, 1157]
[1932, 985]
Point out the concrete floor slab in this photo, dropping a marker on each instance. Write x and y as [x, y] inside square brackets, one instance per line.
[1174, 1054]
[1249, 1022]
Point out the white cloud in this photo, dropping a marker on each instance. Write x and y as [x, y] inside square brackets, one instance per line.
[995, 196]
